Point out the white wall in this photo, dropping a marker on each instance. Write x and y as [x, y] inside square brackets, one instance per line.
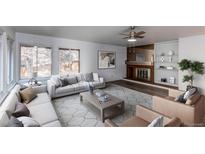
[192, 48]
[88, 54]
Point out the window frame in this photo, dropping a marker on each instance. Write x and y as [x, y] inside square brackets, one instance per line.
[39, 46]
[59, 61]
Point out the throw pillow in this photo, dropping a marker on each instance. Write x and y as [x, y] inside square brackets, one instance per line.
[28, 122]
[190, 92]
[13, 122]
[79, 77]
[55, 79]
[157, 122]
[72, 80]
[64, 81]
[181, 99]
[21, 110]
[88, 77]
[95, 77]
[27, 95]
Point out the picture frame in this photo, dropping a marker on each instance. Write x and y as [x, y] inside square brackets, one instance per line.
[106, 59]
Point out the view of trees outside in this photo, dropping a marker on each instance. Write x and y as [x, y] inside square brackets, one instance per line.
[35, 62]
[69, 61]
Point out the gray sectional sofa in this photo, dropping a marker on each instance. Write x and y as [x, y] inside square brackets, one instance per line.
[76, 83]
[41, 108]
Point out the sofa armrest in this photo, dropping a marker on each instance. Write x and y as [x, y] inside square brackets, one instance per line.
[149, 115]
[109, 123]
[51, 88]
[174, 109]
[40, 89]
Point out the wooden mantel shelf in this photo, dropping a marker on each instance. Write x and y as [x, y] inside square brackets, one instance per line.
[138, 64]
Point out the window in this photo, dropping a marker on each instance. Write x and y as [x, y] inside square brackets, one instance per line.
[69, 61]
[1, 65]
[35, 62]
[10, 59]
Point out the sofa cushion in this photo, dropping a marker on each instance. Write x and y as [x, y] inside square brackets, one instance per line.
[41, 98]
[66, 89]
[72, 80]
[27, 95]
[52, 124]
[135, 122]
[21, 110]
[43, 113]
[96, 84]
[80, 86]
[28, 122]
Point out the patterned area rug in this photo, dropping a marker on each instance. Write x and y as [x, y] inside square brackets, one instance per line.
[73, 113]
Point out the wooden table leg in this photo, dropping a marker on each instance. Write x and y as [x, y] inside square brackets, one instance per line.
[102, 115]
[81, 98]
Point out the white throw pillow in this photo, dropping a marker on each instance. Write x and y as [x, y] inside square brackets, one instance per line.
[189, 93]
[95, 77]
[157, 122]
[28, 122]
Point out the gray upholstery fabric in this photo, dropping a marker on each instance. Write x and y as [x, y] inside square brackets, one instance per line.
[21, 110]
[72, 80]
[65, 89]
[28, 122]
[79, 85]
[80, 77]
[14, 122]
[64, 81]
[56, 81]
[43, 113]
[41, 98]
[52, 124]
[88, 77]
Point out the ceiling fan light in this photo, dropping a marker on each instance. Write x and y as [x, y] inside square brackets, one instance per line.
[132, 39]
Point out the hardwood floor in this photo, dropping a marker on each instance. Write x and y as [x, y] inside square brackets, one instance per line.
[154, 91]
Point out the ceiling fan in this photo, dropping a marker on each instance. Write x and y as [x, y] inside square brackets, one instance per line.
[132, 35]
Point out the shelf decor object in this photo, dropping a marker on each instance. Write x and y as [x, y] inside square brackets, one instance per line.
[170, 53]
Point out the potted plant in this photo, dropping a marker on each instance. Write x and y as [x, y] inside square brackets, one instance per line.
[193, 68]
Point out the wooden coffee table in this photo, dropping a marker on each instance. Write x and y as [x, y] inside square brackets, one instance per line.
[109, 109]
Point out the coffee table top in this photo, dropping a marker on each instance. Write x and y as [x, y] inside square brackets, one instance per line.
[93, 99]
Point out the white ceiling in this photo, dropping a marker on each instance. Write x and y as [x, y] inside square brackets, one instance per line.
[111, 34]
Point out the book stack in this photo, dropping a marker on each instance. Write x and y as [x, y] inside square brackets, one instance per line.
[102, 96]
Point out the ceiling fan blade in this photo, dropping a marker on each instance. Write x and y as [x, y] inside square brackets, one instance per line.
[125, 37]
[124, 34]
[139, 36]
[139, 33]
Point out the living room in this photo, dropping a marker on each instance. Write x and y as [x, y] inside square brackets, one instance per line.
[62, 63]
[97, 76]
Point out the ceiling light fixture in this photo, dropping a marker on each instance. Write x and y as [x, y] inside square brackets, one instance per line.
[132, 39]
